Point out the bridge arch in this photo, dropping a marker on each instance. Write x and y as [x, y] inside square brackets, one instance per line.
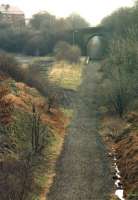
[85, 36]
[95, 46]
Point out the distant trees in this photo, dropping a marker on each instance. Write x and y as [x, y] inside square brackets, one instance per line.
[75, 21]
[12, 40]
[35, 44]
[40, 35]
[45, 20]
[120, 21]
[42, 21]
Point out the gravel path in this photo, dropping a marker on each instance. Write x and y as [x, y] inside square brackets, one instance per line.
[82, 169]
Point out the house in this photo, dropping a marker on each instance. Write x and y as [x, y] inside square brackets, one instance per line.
[12, 15]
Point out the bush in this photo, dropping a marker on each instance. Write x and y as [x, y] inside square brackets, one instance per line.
[74, 54]
[9, 65]
[65, 51]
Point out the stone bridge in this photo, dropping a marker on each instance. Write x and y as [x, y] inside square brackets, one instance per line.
[85, 39]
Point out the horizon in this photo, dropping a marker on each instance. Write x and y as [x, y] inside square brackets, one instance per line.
[68, 7]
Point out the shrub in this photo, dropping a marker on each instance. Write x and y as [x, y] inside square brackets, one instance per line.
[74, 54]
[9, 65]
[65, 51]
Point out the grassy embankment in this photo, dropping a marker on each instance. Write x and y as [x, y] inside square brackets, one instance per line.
[121, 138]
[67, 76]
[17, 141]
[41, 168]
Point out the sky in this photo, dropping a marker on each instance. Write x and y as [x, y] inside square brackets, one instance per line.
[92, 10]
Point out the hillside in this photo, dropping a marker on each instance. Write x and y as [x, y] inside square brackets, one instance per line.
[31, 140]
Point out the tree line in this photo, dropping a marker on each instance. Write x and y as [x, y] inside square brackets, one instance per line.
[40, 35]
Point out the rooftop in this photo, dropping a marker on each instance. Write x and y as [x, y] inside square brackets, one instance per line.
[8, 9]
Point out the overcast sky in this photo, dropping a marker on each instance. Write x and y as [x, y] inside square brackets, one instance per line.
[92, 10]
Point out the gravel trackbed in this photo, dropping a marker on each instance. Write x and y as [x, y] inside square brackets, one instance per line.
[83, 168]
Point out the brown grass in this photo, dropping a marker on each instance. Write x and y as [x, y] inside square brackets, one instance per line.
[125, 143]
[66, 75]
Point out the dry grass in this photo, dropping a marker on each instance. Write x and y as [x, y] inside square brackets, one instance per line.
[114, 122]
[66, 75]
[22, 97]
[124, 140]
[54, 152]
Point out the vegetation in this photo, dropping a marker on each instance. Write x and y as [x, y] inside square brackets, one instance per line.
[40, 35]
[68, 76]
[119, 69]
[65, 51]
[117, 94]
[31, 127]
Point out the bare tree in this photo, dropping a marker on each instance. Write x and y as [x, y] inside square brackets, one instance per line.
[39, 132]
[119, 75]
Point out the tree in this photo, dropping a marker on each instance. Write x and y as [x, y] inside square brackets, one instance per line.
[34, 45]
[41, 34]
[43, 20]
[119, 73]
[75, 21]
[12, 40]
[121, 20]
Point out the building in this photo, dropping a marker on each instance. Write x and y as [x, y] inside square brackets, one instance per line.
[12, 15]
